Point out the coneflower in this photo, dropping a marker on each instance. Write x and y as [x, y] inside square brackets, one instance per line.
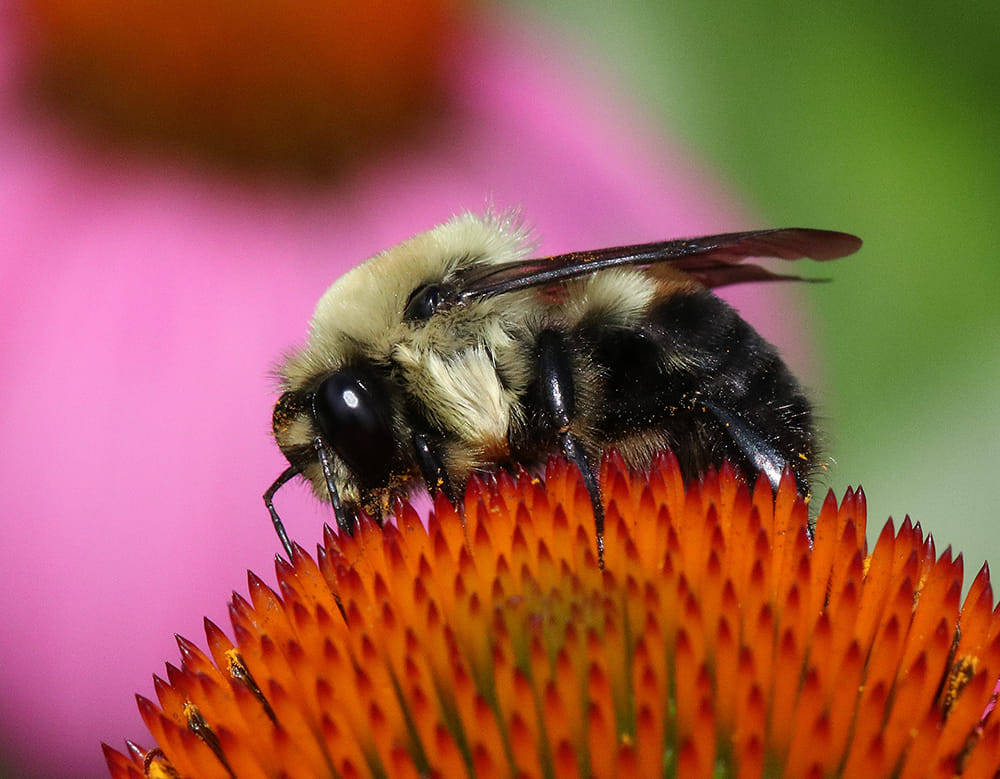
[724, 637]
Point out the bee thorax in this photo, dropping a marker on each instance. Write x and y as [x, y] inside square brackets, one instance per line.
[460, 394]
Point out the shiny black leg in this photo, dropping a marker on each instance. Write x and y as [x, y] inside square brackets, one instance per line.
[287, 474]
[573, 452]
[558, 398]
[344, 516]
[431, 466]
[759, 453]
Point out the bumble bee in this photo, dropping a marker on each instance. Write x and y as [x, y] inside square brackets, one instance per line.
[455, 352]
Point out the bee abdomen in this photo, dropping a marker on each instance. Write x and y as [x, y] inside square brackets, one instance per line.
[697, 378]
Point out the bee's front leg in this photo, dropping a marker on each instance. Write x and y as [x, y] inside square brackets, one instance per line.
[289, 472]
[558, 399]
[431, 465]
[345, 516]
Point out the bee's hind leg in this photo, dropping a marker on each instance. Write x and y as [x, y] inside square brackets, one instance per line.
[558, 399]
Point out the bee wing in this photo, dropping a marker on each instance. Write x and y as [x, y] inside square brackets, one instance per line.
[713, 260]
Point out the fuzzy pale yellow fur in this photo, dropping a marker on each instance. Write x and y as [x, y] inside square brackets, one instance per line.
[467, 367]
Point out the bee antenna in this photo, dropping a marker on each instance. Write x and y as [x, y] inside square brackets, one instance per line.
[345, 518]
[287, 474]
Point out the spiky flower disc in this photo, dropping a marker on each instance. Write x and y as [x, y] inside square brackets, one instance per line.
[720, 640]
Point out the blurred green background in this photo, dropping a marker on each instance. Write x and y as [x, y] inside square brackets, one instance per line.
[878, 119]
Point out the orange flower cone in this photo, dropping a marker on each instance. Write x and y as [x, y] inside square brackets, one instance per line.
[723, 638]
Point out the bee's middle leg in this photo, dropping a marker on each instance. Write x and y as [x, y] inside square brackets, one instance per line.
[558, 399]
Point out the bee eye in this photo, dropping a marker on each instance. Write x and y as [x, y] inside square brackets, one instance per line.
[425, 301]
[351, 409]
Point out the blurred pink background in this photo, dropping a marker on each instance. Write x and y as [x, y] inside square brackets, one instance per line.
[144, 304]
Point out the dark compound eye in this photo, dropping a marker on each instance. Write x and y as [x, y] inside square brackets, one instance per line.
[426, 300]
[351, 408]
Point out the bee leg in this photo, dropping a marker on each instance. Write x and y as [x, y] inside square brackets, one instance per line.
[573, 452]
[344, 516]
[761, 455]
[287, 474]
[558, 397]
[431, 466]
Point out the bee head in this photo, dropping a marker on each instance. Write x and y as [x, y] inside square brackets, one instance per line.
[340, 389]
[350, 413]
